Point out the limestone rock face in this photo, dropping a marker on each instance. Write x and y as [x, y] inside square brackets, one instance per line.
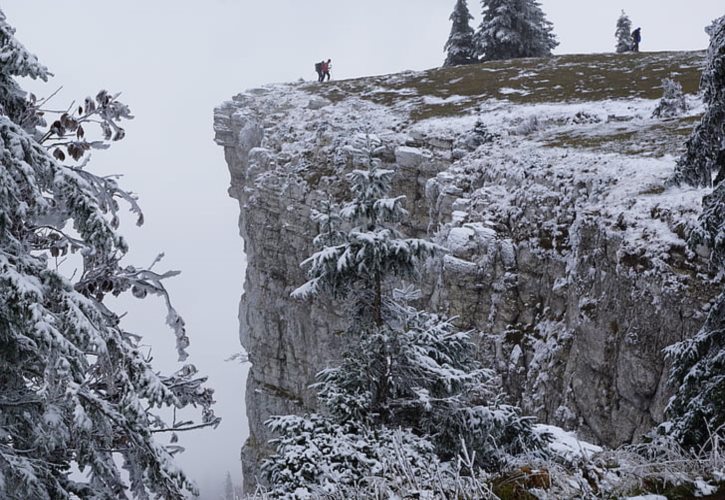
[566, 250]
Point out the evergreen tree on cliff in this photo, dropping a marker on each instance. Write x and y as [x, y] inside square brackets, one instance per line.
[514, 28]
[357, 263]
[623, 34]
[696, 166]
[698, 407]
[461, 47]
[410, 388]
[77, 389]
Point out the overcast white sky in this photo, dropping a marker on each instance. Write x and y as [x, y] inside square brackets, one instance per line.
[174, 60]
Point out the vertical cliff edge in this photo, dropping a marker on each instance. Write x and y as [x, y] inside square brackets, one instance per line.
[544, 178]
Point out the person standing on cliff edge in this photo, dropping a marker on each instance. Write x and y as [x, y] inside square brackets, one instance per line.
[636, 38]
[326, 70]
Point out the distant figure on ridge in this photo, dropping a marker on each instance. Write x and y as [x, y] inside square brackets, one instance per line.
[636, 38]
[318, 70]
[326, 70]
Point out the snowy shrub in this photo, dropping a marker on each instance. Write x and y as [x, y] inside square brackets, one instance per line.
[571, 470]
[673, 102]
[527, 126]
[316, 454]
[584, 118]
[659, 466]
[395, 467]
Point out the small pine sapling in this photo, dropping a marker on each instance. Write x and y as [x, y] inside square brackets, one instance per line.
[673, 102]
[623, 34]
[357, 263]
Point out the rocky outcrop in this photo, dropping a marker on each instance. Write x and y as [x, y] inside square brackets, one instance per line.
[565, 249]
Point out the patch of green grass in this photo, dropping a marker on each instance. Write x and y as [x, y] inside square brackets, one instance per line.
[567, 78]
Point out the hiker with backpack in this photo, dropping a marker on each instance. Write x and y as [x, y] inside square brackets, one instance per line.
[326, 70]
[636, 38]
[318, 70]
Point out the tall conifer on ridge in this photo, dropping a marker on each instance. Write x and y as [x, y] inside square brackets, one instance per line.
[461, 46]
[623, 34]
[512, 29]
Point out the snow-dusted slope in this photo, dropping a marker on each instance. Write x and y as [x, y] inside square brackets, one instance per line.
[544, 178]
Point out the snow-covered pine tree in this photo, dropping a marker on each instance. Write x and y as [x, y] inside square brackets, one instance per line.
[419, 372]
[77, 389]
[512, 29]
[407, 369]
[695, 167]
[697, 409]
[460, 47]
[623, 34]
[358, 262]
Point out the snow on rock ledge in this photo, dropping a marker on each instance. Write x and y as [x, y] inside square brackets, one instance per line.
[565, 247]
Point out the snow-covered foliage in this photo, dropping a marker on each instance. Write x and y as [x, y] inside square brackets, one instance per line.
[697, 164]
[705, 153]
[710, 231]
[409, 389]
[369, 463]
[697, 410]
[407, 395]
[15, 61]
[78, 391]
[358, 262]
[318, 454]
[514, 28]
[420, 372]
[673, 102]
[623, 34]
[460, 47]
[658, 469]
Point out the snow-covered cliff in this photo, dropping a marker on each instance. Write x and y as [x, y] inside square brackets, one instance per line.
[545, 180]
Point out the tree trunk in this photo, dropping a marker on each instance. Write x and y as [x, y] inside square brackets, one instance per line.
[378, 302]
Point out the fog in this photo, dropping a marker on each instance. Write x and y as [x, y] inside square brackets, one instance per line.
[175, 60]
